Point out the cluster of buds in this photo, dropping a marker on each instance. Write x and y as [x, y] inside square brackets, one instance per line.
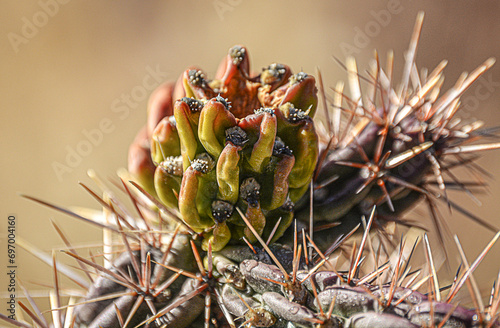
[240, 141]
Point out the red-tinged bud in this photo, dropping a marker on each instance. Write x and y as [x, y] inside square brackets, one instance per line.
[237, 62]
[275, 75]
[140, 164]
[160, 105]
[263, 146]
[179, 91]
[196, 86]
[301, 91]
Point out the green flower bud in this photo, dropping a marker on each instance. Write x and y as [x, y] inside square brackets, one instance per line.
[165, 140]
[215, 118]
[167, 179]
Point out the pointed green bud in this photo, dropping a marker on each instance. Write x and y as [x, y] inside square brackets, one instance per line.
[297, 131]
[275, 188]
[228, 173]
[168, 177]
[218, 237]
[165, 140]
[191, 188]
[215, 119]
[187, 113]
[264, 124]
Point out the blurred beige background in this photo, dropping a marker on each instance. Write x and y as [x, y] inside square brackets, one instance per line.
[65, 69]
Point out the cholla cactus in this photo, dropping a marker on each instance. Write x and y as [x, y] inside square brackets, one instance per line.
[236, 141]
[397, 145]
[233, 156]
[270, 286]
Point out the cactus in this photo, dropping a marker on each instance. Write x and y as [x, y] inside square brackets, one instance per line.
[234, 160]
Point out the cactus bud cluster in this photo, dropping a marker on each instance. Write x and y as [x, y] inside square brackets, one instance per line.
[236, 141]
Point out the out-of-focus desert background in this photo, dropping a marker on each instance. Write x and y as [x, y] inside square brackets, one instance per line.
[66, 64]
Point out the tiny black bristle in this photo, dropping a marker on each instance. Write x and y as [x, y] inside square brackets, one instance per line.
[203, 163]
[250, 191]
[197, 78]
[237, 136]
[237, 53]
[280, 148]
[262, 110]
[223, 101]
[222, 210]
[297, 78]
[295, 114]
[288, 206]
[194, 104]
